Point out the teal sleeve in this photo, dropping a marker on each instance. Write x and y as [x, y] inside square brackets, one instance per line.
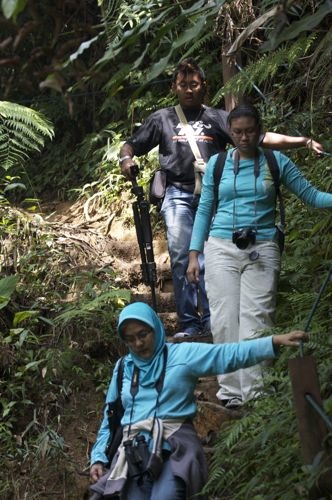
[226, 358]
[205, 208]
[295, 181]
[204, 360]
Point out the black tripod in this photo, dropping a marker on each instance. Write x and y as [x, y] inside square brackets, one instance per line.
[144, 236]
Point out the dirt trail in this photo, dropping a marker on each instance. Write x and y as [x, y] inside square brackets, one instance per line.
[105, 240]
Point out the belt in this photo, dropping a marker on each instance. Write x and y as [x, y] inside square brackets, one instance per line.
[185, 186]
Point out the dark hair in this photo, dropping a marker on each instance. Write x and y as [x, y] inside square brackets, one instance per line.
[245, 110]
[186, 66]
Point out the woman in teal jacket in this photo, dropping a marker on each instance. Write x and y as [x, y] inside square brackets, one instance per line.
[164, 415]
[242, 255]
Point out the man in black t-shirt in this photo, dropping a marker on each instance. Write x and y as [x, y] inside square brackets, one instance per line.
[164, 129]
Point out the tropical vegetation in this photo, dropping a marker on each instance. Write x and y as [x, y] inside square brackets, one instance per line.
[76, 78]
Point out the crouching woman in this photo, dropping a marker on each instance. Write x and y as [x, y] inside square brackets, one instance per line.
[160, 455]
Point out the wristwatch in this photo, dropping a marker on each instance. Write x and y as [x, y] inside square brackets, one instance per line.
[123, 158]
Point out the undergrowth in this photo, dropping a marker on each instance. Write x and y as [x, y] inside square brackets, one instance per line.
[259, 456]
[57, 340]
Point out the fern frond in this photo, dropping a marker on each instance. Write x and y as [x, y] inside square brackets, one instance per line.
[94, 306]
[266, 67]
[22, 130]
[199, 44]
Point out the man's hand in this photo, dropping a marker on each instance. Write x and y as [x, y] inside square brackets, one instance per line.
[273, 140]
[315, 146]
[126, 161]
[291, 339]
[128, 168]
[97, 470]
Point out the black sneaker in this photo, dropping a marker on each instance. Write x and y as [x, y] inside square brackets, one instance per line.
[198, 336]
[233, 403]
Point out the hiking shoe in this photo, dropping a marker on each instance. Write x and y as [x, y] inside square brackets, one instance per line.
[187, 335]
[232, 404]
[206, 332]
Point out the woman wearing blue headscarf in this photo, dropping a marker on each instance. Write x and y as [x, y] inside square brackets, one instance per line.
[159, 381]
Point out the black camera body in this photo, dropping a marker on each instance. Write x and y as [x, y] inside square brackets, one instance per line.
[141, 463]
[244, 237]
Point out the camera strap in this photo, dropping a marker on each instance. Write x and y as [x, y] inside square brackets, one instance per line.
[256, 175]
[159, 384]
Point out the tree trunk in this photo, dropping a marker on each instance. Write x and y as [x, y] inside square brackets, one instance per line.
[228, 71]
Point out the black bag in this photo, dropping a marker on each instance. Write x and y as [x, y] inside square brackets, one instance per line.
[115, 413]
[157, 188]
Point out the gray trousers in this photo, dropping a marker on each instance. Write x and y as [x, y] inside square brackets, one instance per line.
[242, 298]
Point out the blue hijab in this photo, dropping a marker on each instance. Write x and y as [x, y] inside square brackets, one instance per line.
[150, 369]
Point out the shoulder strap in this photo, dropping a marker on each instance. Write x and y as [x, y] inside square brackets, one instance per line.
[275, 172]
[217, 174]
[134, 386]
[189, 132]
[119, 379]
[159, 385]
[160, 381]
[273, 166]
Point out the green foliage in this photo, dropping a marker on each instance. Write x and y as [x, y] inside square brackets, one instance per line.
[48, 346]
[265, 68]
[306, 24]
[100, 305]
[11, 8]
[154, 31]
[79, 170]
[253, 453]
[57, 321]
[7, 288]
[22, 130]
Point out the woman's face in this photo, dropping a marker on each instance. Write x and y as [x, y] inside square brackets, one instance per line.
[245, 135]
[139, 337]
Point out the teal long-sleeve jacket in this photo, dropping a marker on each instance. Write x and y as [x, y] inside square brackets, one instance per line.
[242, 202]
[186, 363]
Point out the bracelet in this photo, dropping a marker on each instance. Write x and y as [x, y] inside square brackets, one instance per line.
[309, 141]
[123, 158]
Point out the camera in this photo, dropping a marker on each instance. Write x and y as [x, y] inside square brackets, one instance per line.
[134, 458]
[243, 237]
[141, 463]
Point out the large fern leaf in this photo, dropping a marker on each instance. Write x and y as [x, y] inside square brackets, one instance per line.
[22, 131]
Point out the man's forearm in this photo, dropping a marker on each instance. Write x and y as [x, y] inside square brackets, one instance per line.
[280, 141]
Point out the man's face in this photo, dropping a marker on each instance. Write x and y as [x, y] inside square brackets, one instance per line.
[189, 89]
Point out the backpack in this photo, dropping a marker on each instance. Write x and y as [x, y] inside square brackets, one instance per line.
[275, 172]
[115, 413]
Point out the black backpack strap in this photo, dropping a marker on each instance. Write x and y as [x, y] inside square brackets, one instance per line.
[119, 379]
[134, 382]
[217, 175]
[160, 381]
[115, 412]
[275, 172]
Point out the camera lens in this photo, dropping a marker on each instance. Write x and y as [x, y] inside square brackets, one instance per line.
[242, 243]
